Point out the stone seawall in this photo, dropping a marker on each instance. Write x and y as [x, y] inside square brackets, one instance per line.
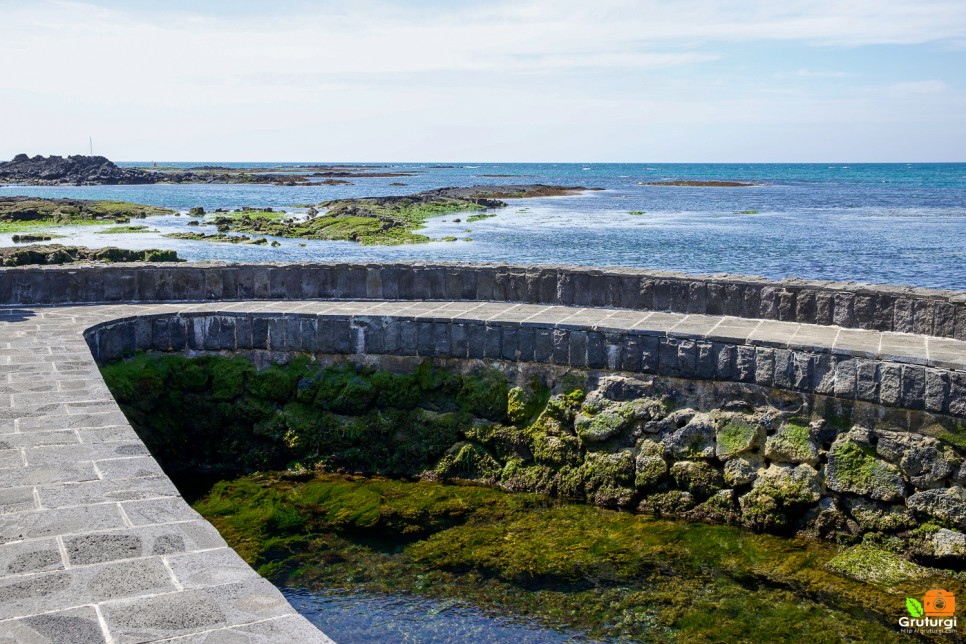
[855, 378]
[880, 308]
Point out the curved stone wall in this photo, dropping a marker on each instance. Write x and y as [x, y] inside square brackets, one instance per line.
[855, 377]
[881, 308]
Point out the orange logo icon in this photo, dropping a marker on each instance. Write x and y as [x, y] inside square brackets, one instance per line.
[939, 603]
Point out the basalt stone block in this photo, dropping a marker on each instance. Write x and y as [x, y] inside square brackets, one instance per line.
[890, 383]
[783, 368]
[261, 282]
[492, 342]
[707, 361]
[913, 391]
[844, 311]
[716, 301]
[525, 343]
[457, 340]
[787, 300]
[596, 352]
[724, 359]
[680, 294]
[486, 284]
[613, 350]
[662, 295]
[578, 348]
[745, 368]
[294, 338]
[944, 321]
[219, 333]
[260, 332]
[936, 391]
[143, 328]
[867, 381]
[357, 282]
[631, 351]
[561, 346]
[509, 343]
[548, 286]
[805, 306]
[824, 307]
[543, 345]
[904, 316]
[408, 338]
[823, 374]
[864, 308]
[630, 292]
[119, 285]
[308, 332]
[667, 357]
[769, 303]
[883, 318]
[373, 282]
[565, 289]
[243, 332]
[959, 323]
[441, 339]
[425, 340]
[923, 315]
[389, 281]
[751, 296]
[765, 366]
[476, 340]
[277, 330]
[213, 284]
[957, 393]
[334, 335]
[646, 297]
[845, 376]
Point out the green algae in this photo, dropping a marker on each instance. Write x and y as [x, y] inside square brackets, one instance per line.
[580, 569]
[123, 230]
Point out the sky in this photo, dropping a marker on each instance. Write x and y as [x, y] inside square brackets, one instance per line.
[459, 80]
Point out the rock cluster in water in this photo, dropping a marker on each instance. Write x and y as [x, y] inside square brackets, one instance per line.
[73, 170]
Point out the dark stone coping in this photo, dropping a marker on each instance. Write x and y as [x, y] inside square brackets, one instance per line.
[848, 305]
[684, 346]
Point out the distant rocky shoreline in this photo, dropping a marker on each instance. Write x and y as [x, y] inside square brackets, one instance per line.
[80, 170]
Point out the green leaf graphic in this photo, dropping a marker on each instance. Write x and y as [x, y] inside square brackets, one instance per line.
[914, 607]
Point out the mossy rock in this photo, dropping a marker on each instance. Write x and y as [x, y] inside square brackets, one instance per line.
[518, 477]
[877, 567]
[484, 395]
[738, 435]
[877, 516]
[742, 469]
[792, 443]
[670, 503]
[854, 468]
[778, 496]
[505, 442]
[469, 462]
[694, 440]
[651, 469]
[697, 477]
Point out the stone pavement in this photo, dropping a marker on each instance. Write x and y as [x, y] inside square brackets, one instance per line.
[96, 545]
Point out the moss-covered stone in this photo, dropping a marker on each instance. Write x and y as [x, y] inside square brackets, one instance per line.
[694, 440]
[651, 469]
[854, 468]
[878, 516]
[468, 461]
[518, 477]
[875, 566]
[697, 477]
[792, 443]
[742, 470]
[778, 496]
[738, 434]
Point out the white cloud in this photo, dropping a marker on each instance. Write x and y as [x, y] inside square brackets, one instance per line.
[385, 80]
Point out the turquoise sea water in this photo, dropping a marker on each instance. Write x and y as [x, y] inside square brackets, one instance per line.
[874, 223]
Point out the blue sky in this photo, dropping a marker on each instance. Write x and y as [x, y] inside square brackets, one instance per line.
[527, 80]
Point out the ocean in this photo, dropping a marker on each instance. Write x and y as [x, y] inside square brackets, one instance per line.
[873, 223]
